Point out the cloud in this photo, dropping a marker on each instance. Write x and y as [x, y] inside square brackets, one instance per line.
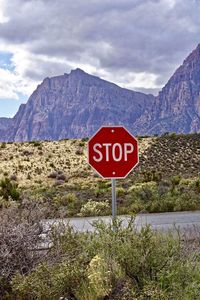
[3, 18]
[12, 85]
[137, 44]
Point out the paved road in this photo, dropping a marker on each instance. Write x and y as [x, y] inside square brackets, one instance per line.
[158, 221]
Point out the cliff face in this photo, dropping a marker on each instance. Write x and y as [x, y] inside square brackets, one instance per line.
[75, 105]
[5, 124]
[177, 107]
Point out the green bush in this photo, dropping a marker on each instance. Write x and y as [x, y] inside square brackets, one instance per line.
[106, 264]
[68, 200]
[49, 282]
[3, 145]
[164, 196]
[175, 180]
[9, 189]
[92, 208]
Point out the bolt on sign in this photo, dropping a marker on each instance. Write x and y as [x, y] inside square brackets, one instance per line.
[113, 153]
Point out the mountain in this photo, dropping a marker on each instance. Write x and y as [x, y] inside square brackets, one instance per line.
[177, 107]
[5, 124]
[75, 105]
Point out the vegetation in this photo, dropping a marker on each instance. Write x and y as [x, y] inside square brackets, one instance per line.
[9, 190]
[57, 175]
[104, 264]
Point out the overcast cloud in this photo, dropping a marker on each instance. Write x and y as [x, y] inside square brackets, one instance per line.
[134, 43]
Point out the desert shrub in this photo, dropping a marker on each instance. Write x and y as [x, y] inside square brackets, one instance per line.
[3, 146]
[62, 271]
[58, 182]
[70, 198]
[52, 165]
[165, 134]
[153, 262]
[105, 264]
[173, 135]
[66, 200]
[152, 175]
[92, 208]
[27, 152]
[53, 175]
[163, 187]
[162, 196]
[13, 177]
[50, 282]
[79, 151]
[120, 191]
[145, 194]
[21, 167]
[81, 144]
[98, 192]
[61, 177]
[197, 184]
[147, 175]
[36, 143]
[175, 180]
[9, 190]
[19, 234]
[4, 203]
[100, 277]
[85, 139]
[60, 172]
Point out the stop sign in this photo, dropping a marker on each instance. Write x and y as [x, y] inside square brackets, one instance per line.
[113, 152]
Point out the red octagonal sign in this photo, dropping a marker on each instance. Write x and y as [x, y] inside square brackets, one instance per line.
[113, 152]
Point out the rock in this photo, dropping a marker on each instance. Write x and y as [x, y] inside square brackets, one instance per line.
[177, 107]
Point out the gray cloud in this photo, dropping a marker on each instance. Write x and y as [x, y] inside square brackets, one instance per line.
[41, 69]
[120, 37]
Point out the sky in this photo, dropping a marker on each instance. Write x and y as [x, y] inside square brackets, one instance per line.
[137, 44]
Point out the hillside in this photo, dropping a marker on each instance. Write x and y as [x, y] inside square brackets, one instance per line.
[57, 173]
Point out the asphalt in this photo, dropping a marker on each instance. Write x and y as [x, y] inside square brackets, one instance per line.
[158, 221]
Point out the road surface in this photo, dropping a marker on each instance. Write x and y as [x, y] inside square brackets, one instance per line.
[158, 221]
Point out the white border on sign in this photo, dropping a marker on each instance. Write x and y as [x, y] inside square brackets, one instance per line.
[114, 126]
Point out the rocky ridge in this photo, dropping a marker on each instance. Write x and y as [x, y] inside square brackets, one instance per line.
[177, 107]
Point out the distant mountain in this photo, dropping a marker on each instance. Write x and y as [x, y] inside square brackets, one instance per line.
[75, 105]
[5, 124]
[177, 107]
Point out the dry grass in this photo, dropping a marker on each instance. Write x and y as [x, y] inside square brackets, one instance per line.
[32, 163]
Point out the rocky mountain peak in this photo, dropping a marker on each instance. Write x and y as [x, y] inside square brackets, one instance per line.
[194, 56]
[177, 107]
[78, 71]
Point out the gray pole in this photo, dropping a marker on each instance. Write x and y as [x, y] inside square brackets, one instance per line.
[114, 202]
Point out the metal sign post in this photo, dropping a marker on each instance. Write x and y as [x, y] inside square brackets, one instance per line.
[114, 200]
